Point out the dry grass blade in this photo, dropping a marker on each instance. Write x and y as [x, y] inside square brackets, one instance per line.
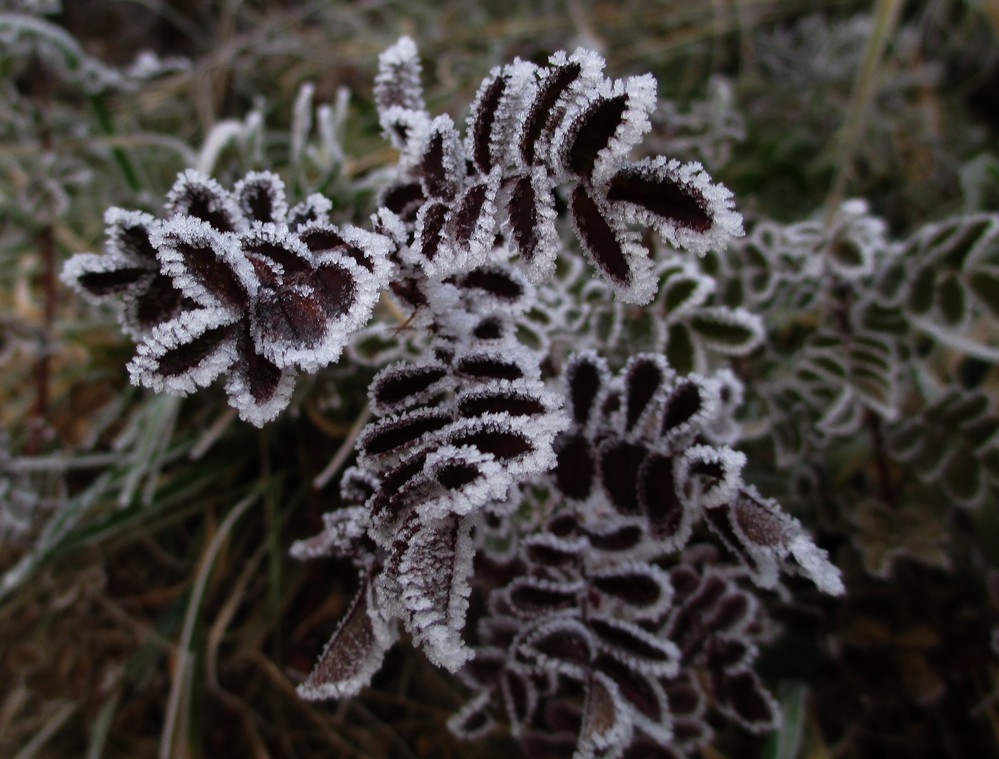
[885, 19]
[343, 452]
[62, 715]
[171, 742]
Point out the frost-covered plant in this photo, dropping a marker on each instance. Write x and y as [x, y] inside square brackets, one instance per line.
[507, 468]
[557, 440]
[234, 283]
[464, 439]
[604, 597]
[863, 331]
[548, 500]
[590, 488]
[27, 39]
[533, 130]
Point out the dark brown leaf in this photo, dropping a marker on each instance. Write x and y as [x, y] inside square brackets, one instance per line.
[335, 289]
[622, 538]
[403, 383]
[642, 380]
[637, 689]
[134, 241]
[488, 367]
[658, 193]
[101, 283]
[531, 596]
[502, 444]
[564, 641]
[391, 434]
[539, 114]
[632, 642]
[592, 132]
[432, 232]
[744, 694]
[522, 211]
[262, 376]
[619, 464]
[639, 589]
[289, 316]
[434, 168]
[574, 466]
[683, 403]
[404, 200]
[457, 475]
[160, 302]
[493, 281]
[658, 496]
[187, 356]
[214, 275]
[290, 262]
[202, 203]
[515, 404]
[351, 657]
[257, 200]
[468, 213]
[599, 238]
[584, 378]
[482, 128]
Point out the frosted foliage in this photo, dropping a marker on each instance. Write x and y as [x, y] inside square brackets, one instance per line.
[454, 435]
[315, 208]
[353, 654]
[882, 315]
[261, 197]
[597, 522]
[342, 531]
[601, 127]
[230, 284]
[604, 593]
[688, 210]
[398, 80]
[127, 275]
[848, 247]
[532, 131]
[25, 36]
[162, 363]
[606, 729]
[434, 575]
[641, 462]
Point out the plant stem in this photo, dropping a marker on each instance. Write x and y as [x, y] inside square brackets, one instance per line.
[885, 18]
